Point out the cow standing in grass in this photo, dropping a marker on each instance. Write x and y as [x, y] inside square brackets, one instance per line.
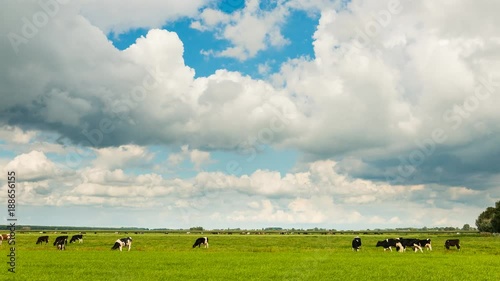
[61, 238]
[61, 243]
[410, 242]
[356, 244]
[389, 243]
[123, 242]
[201, 241]
[42, 239]
[5, 237]
[76, 237]
[452, 243]
[426, 243]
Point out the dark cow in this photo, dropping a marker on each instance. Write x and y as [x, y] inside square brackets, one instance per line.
[200, 241]
[123, 242]
[61, 243]
[76, 237]
[452, 243]
[426, 243]
[410, 242]
[42, 239]
[389, 243]
[61, 238]
[356, 244]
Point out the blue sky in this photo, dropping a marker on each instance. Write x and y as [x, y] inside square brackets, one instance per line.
[250, 114]
[195, 41]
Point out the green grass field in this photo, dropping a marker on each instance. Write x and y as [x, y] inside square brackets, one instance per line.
[251, 257]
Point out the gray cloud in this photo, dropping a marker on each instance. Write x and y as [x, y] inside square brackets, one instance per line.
[373, 101]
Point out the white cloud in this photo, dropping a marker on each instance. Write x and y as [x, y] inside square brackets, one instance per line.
[32, 166]
[197, 157]
[13, 134]
[249, 30]
[122, 156]
[121, 16]
[369, 102]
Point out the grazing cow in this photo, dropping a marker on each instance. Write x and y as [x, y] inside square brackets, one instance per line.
[452, 243]
[61, 238]
[123, 242]
[4, 237]
[356, 244]
[42, 239]
[61, 243]
[410, 242]
[388, 243]
[200, 241]
[78, 237]
[426, 243]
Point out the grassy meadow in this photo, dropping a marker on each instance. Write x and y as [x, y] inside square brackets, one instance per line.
[157, 256]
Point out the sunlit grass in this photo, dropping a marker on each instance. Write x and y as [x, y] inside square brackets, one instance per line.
[252, 257]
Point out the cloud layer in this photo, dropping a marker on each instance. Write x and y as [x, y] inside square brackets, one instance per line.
[398, 104]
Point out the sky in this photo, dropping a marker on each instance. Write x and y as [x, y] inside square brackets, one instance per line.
[250, 113]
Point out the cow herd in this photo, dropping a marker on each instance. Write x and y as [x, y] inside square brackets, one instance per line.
[401, 244]
[62, 241]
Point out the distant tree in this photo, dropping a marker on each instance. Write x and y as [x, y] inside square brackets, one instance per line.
[489, 219]
[466, 227]
[495, 221]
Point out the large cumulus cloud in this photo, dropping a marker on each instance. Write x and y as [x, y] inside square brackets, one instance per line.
[400, 95]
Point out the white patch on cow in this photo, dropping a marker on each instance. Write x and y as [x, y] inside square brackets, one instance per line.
[417, 247]
[400, 246]
[120, 243]
[428, 245]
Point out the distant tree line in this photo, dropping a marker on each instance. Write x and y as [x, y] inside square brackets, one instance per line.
[51, 227]
[489, 220]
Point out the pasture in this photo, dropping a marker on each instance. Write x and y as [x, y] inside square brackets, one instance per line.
[156, 256]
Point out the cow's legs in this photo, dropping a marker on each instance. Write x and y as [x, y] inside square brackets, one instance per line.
[417, 247]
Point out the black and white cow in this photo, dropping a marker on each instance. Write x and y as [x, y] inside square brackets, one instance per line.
[356, 243]
[42, 239]
[452, 243]
[123, 242]
[61, 243]
[410, 242]
[201, 241]
[76, 237]
[426, 243]
[389, 243]
[61, 238]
